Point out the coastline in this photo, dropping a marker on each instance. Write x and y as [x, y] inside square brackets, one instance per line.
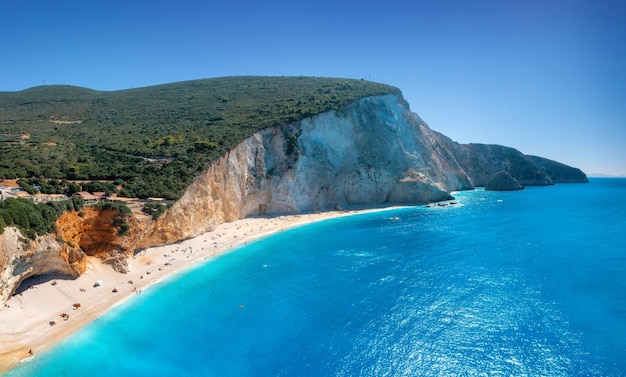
[44, 314]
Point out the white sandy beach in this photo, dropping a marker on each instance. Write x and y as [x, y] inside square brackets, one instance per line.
[43, 314]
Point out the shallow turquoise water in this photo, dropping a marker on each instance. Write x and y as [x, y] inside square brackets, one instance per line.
[525, 283]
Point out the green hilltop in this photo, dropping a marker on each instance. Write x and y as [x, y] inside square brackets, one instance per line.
[153, 141]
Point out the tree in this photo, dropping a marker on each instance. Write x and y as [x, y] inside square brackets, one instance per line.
[72, 189]
[24, 185]
[154, 209]
[97, 186]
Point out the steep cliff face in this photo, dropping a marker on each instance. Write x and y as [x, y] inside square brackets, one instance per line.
[373, 151]
[21, 258]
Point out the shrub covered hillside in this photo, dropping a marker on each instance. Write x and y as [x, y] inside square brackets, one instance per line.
[154, 140]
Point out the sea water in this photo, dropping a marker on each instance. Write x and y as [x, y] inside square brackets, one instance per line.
[524, 283]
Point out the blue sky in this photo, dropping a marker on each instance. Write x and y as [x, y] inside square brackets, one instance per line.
[547, 77]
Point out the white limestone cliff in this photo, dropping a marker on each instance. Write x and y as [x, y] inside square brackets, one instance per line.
[372, 152]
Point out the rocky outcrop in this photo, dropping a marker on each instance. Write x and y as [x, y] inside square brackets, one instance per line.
[21, 258]
[96, 232]
[503, 181]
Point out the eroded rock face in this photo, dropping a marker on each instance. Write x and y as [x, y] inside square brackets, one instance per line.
[374, 151]
[93, 230]
[21, 258]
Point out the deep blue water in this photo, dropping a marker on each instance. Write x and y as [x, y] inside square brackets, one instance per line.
[524, 283]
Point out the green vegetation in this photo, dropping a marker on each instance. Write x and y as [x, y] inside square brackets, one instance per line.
[122, 226]
[119, 222]
[55, 186]
[24, 185]
[34, 219]
[154, 209]
[154, 140]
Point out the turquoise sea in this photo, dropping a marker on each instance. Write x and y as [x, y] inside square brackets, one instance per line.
[524, 283]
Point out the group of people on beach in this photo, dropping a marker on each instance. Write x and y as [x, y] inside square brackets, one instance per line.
[66, 316]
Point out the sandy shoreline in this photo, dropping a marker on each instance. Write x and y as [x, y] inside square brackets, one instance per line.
[44, 314]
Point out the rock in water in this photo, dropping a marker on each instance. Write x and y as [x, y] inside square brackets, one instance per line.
[503, 181]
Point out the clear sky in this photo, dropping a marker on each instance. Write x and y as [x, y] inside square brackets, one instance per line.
[547, 77]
